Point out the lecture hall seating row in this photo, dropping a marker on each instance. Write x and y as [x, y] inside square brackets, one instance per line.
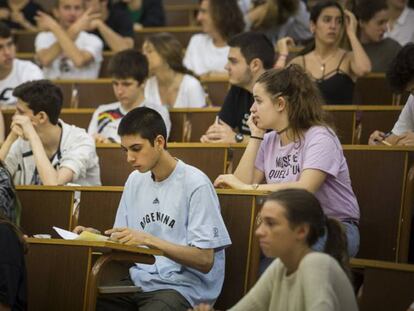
[353, 124]
[379, 178]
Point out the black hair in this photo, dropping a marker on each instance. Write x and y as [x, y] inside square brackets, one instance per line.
[145, 122]
[254, 45]
[302, 207]
[129, 64]
[5, 31]
[401, 70]
[366, 9]
[41, 95]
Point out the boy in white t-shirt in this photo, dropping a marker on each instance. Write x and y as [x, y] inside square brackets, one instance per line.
[41, 149]
[64, 48]
[13, 72]
[129, 70]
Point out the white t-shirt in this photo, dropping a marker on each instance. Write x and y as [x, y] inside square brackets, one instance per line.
[405, 121]
[202, 56]
[106, 118]
[403, 29]
[62, 67]
[76, 151]
[22, 71]
[182, 209]
[190, 94]
[319, 284]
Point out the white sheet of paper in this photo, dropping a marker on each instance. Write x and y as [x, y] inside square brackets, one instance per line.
[65, 234]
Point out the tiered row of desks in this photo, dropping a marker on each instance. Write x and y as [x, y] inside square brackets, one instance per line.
[379, 176]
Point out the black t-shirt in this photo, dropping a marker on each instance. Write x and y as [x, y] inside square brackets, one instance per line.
[13, 277]
[152, 13]
[119, 20]
[236, 109]
[29, 12]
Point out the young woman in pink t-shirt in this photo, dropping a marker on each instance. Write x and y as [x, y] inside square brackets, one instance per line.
[301, 151]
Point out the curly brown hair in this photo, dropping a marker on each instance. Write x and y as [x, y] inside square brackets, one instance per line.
[227, 17]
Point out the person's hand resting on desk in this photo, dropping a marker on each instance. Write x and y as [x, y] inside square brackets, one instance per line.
[389, 139]
[219, 132]
[129, 236]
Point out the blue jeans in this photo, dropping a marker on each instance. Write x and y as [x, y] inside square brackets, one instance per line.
[352, 235]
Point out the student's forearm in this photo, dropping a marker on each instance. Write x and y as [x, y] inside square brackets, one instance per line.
[5, 147]
[245, 169]
[48, 174]
[115, 41]
[67, 44]
[192, 257]
[2, 129]
[48, 55]
[360, 62]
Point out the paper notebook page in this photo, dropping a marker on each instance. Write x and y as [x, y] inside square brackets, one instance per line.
[65, 234]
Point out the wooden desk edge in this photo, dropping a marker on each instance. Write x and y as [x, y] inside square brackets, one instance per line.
[100, 244]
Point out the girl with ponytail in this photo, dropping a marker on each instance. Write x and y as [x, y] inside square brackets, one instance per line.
[289, 224]
[302, 150]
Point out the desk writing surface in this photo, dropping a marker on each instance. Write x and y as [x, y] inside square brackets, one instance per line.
[100, 244]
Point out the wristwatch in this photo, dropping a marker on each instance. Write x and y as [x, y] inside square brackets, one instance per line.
[239, 137]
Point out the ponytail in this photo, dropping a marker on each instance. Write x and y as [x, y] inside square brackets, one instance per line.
[337, 245]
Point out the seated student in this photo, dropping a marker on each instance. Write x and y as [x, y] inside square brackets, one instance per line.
[250, 55]
[146, 13]
[207, 52]
[9, 202]
[401, 78]
[113, 25]
[129, 70]
[301, 151]
[333, 69]
[64, 48]
[290, 222]
[41, 149]
[373, 18]
[171, 84]
[19, 14]
[171, 206]
[401, 24]
[13, 71]
[13, 275]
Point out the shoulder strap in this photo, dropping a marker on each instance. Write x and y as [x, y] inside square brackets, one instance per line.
[342, 59]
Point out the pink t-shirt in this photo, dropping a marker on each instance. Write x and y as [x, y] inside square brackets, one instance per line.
[319, 149]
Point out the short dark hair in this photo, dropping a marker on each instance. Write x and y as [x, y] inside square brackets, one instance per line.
[254, 45]
[401, 70]
[145, 122]
[5, 31]
[41, 95]
[366, 9]
[129, 64]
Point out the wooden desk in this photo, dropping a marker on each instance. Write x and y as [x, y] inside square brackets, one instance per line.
[374, 89]
[209, 158]
[63, 275]
[386, 286]
[44, 207]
